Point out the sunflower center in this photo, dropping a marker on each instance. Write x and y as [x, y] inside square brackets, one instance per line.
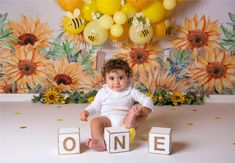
[139, 55]
[63, 79]
[10, 88]
[197, 38]
[27, 67]
[27, 38]
[51, 97]
[216, 70]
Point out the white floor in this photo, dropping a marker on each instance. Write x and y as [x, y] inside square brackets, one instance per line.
[206, 133]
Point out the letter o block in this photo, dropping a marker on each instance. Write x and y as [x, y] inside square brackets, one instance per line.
[68, 141]
[160, 140]
[117, 139]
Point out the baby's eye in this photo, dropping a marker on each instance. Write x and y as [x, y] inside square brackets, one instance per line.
[121, 78]
[111, 78]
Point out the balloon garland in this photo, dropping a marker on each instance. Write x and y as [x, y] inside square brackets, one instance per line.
[98, 20]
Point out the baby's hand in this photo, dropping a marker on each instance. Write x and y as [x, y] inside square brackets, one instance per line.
[84, 115]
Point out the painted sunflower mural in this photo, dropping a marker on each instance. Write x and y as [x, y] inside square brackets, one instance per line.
[29, 31]
[24, 66]
[142, 59]
[65, 69]
[197, 34]
[214, 71]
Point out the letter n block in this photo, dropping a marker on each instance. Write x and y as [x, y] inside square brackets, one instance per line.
[68, 141]
[160, 140]
[117, 139]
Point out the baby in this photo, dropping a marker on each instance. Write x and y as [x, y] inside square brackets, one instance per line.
[114, 103]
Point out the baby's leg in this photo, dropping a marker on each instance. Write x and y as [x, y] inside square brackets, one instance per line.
[130, 119]
[97, 131]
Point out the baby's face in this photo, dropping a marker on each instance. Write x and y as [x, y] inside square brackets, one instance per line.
[117, 80]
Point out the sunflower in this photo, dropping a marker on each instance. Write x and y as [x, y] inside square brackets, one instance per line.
[63, 75]
[92, 82]
[6, 87]
[31, 32]
[141, 59]
[196, 34]
[165, 81]
[51, 96]
[178, 98]
[90, 99]
[25, 66]
[215, 71]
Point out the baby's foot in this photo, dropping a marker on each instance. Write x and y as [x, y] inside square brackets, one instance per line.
[96, 144]
[132, 114]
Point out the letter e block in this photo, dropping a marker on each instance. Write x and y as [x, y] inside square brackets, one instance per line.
[160, 140]
[68, 141]
[117, 139]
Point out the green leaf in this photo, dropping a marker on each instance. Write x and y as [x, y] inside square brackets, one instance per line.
[5, 34]
[232, 16]
[170, 62]
[87, 66]
[12, 38]
[227, 33]
[231, 24]
[7, 44]
[232, 48]
[227, 42]
[3, 18]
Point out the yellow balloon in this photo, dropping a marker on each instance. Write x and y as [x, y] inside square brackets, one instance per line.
[169, 4]
[108, 7]
[116, 30]
[120, 17]
[94, 34]
[123, 36]
[129, 10]
[70, 5]
[159, 30]
[73, 25]
[155, 12]
[132, 134]
[140, 37]
[139, 4]
[87, 10]
[106, 21]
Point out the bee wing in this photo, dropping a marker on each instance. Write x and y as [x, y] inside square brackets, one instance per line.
[76, 12]
[69, 14]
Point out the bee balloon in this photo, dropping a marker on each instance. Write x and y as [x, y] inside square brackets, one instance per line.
[72, 23]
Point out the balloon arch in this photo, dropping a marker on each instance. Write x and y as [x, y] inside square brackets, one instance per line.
[98, 20]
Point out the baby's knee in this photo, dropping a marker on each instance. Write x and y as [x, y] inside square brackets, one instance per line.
[145, 111]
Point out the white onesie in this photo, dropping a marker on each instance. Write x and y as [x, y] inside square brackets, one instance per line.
[115, 105]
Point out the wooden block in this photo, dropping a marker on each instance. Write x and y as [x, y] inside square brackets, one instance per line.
[68, 141]
[160, 140]
[117, 139]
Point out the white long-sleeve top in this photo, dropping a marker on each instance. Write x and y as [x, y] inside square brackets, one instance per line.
[110, 102]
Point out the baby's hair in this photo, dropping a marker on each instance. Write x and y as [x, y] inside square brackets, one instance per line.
[116, 64]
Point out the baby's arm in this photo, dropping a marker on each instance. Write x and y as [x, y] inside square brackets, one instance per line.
[144, 101]
[93, 108]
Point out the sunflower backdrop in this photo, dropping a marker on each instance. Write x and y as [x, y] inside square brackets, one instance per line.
[64, 66]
